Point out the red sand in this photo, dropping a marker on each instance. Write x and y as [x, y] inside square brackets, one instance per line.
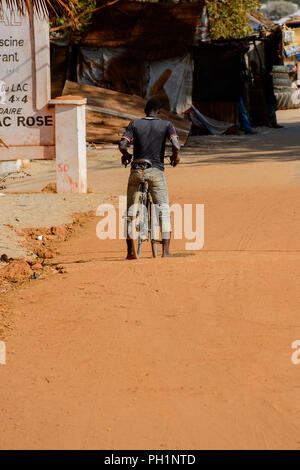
[188, 353]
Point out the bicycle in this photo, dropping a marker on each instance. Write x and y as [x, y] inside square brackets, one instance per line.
[140, 226]
[140, 222]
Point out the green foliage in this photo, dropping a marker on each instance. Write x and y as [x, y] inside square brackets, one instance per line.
[82, 23]
[228, 18]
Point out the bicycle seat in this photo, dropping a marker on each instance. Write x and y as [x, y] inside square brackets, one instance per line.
[141, 164]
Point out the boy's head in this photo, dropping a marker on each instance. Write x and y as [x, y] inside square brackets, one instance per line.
[153, 106]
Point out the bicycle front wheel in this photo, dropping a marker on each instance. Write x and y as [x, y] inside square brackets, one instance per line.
[152, 232]
[138, 224]
[154, 246]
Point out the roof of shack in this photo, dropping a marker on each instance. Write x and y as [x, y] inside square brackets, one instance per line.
[149, 30]
[259, 20]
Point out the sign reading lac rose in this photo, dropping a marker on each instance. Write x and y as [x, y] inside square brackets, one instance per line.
[26, 120]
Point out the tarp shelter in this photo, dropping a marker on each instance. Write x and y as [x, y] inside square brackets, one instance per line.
[144, 49]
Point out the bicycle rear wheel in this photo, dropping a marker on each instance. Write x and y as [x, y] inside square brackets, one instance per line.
[137, 226]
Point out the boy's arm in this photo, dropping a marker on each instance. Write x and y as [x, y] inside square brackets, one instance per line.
[123, 147]
[124, 144]
[172, 134]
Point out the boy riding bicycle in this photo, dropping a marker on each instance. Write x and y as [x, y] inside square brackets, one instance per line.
[149, 135]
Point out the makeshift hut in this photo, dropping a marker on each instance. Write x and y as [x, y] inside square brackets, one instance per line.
[144, 49]
[226, 70]
[163, 50]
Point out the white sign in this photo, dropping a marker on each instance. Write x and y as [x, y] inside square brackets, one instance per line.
[288, 35]
[25, 118]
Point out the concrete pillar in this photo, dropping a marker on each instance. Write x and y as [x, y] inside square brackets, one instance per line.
[70, 141]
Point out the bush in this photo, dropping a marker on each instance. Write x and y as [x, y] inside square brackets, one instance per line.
[228, 18]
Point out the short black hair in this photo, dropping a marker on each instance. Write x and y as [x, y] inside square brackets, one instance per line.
[152, 105]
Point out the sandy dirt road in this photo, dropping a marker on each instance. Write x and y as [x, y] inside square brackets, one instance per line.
[192, 352]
